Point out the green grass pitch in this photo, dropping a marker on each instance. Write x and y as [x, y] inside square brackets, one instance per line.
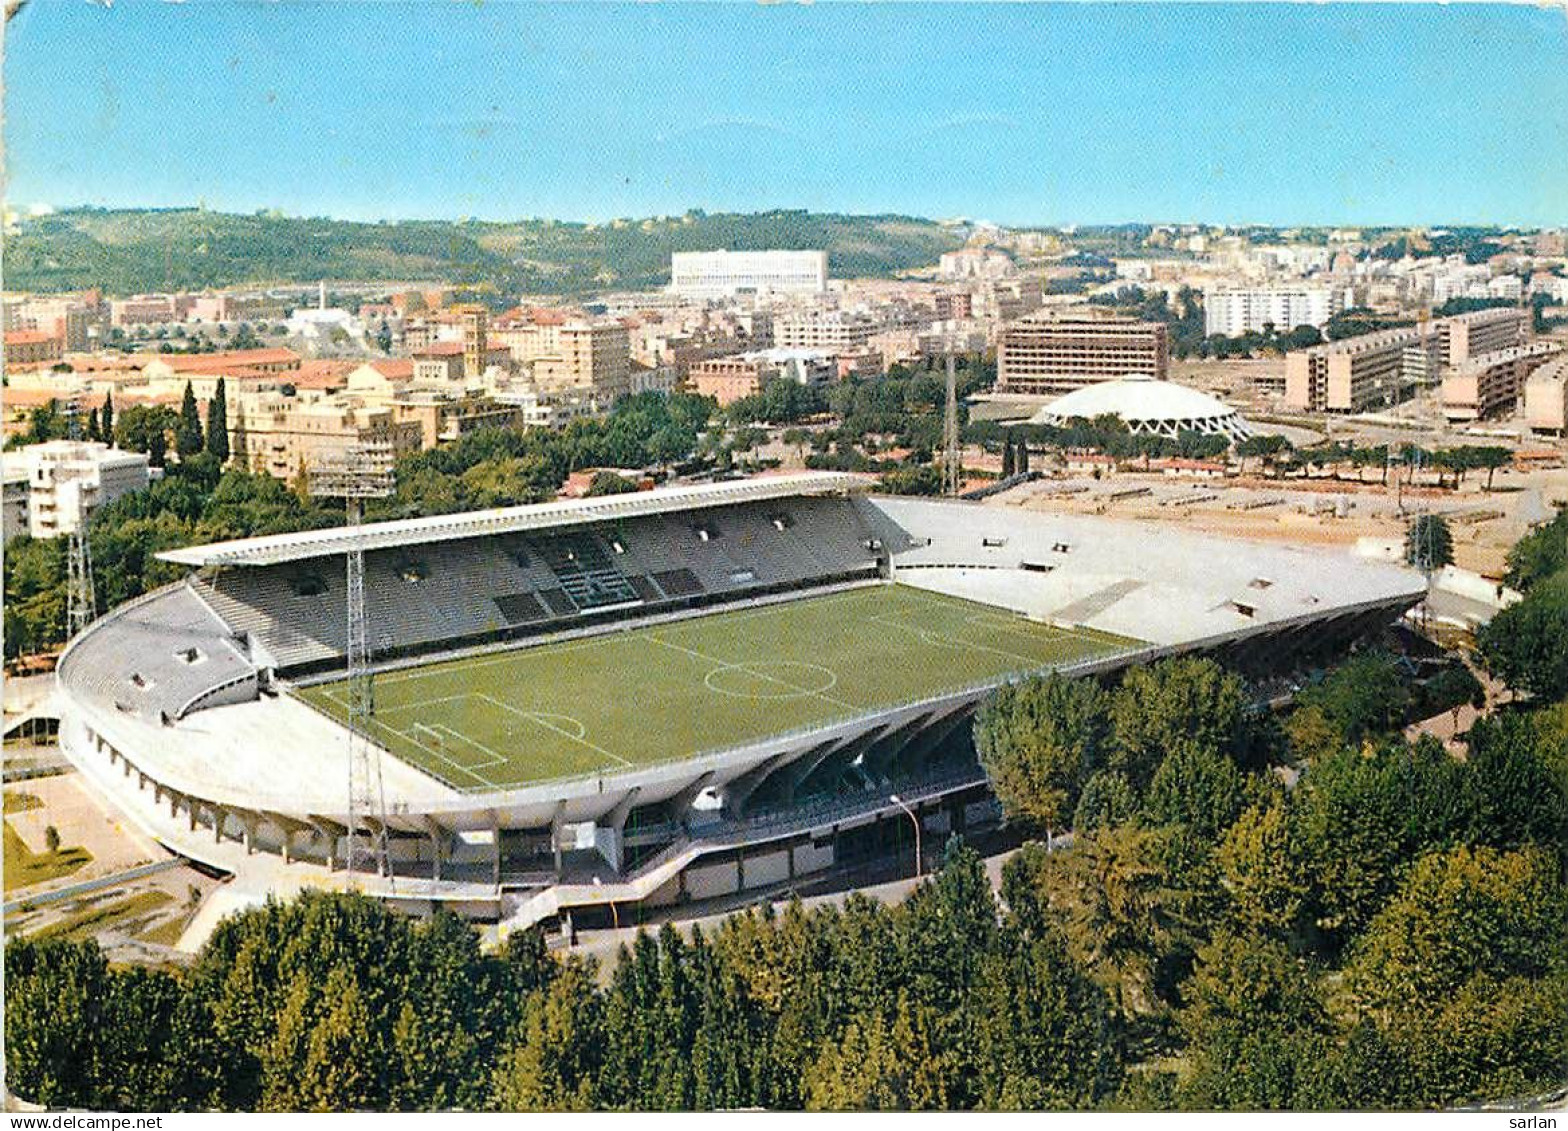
[668, 691]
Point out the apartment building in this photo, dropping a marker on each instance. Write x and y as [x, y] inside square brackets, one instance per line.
[64, 317]
[272, 432]
[571, 354]
[473, 320]
[1489, 384]
[729, 379]
[142, 310]
[829, 331]
[1233, 312]
[67, 480]
[1546, 399]
[705, 275]
[225, 307]
[1356, 374]
[32, 347]
[15, 495]
[1464, 336]
[976, 263]
[1059, 351]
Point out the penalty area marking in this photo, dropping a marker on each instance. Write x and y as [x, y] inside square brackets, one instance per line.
[542, 719]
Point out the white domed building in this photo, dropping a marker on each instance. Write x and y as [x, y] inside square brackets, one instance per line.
[1147, 406]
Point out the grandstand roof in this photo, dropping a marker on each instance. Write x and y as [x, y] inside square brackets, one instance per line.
[277, 548]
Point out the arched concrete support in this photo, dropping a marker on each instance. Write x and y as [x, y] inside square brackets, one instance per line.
[881, 753]
[616, 818]
[331, 831]
[677, 806]
[737, 793]
[438, 839]
[930, 740]
[787, 783]
[556, 823]
[830, 768]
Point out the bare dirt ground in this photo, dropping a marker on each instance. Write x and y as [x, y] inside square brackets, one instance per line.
[1320, 512]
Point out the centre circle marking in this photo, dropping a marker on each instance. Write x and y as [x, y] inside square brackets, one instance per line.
[778, 679]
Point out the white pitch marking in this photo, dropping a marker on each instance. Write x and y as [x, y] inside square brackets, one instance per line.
[539, 720]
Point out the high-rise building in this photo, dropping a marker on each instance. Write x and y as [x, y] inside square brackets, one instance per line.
[1233, 312]
[1370, 370]
[1059, 351]
[726, 274]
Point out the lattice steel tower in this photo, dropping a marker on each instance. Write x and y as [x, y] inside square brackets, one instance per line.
[952, 474]
[363, 472]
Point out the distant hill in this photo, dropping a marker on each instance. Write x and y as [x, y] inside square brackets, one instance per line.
[135, 250]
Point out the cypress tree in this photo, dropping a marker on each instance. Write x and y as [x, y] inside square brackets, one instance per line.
[1021, 463]
[218, 424]
[107, 424]
[188, 437]
[93, 432]
[1008, 459]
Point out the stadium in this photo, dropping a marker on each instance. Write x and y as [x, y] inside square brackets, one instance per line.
[628, 702]
[1147, 407]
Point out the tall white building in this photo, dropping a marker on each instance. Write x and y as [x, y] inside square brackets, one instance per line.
[725, 274]
[1234, 312]
[69, 479]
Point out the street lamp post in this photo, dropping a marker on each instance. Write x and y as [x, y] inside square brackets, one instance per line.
[899, 801]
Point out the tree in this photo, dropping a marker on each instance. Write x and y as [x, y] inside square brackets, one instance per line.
[1107, 799]
[878, 1065]
[1518, 781]
[1261, 865]
[384, 337]
[108, 417]
[1364, 697]
[1039, 741]
[1046, 1039]
[1198, 787]
[1255, 1026]
[54, 997]
[94, 430]
[1523, 644]
[187, 434]
[1188, 702]
[1009, 458]
[218, 424]
[51, 840]
[1489, 458]
[1429, 545]
[1540, 554]
[611, 483]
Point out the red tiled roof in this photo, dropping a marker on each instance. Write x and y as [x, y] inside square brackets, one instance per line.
[212, 362]
[28, 337]
[441, 349]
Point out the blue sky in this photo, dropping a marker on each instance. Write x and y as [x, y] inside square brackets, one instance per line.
[1017, 113]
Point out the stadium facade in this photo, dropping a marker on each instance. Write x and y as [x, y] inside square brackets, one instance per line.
[640, 700]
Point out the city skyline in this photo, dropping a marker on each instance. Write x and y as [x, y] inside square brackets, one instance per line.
[1020, 115]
